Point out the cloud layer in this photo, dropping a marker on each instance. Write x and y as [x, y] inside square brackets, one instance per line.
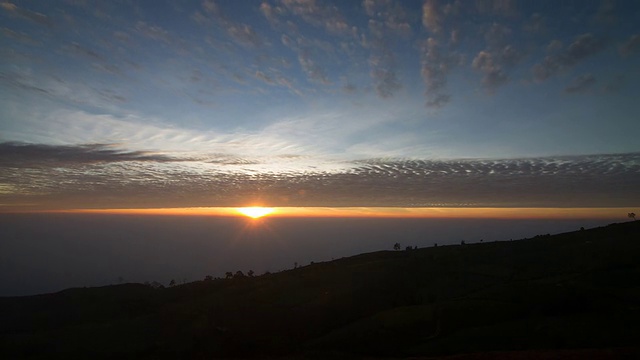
[97, 177]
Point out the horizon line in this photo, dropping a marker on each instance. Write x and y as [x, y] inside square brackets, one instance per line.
[364, 212]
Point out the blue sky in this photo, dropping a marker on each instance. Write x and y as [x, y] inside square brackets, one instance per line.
[319, 103]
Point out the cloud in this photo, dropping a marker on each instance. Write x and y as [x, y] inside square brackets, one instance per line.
[497, 7]
[494, 76]
[24, 155]
[497, 35]
[244, 34]
[314, 71]
[388, 20]
[19, 36]
[67, 91]
[318, 14]
[434, 69]
[268, 12]
[580, 84]
[583, 47]
[309, 53]
[384, 76]
[431, 18]
[391, 14]
[536, 24]
[35, 17]
[631, 46]
[607, 12]
[88, 178]
[81, 51]
[493, 65]
[241, 33]
[264, 77]
[154, 32]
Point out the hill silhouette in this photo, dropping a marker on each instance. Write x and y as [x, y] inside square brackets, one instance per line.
[551, 294]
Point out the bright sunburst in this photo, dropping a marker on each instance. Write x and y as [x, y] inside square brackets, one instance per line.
[255, 211]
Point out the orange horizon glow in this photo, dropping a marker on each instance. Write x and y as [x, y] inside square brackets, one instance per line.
[371, 212]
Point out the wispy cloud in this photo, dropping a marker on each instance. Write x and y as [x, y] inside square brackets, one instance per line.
[26, 14]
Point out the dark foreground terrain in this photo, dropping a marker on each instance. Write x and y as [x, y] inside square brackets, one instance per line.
[566, 296]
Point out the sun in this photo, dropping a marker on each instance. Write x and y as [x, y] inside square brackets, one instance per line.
[255, 211]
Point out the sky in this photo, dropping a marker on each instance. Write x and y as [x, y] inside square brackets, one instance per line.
[299, 103]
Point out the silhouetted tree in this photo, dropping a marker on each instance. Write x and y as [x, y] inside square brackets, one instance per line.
[408, 248]
[632, 216]
[238, 274]
[435, 245]
[250, 273]
[228, 275]
[396, 246]
[172, 283]
[208, 278]
[462, 242]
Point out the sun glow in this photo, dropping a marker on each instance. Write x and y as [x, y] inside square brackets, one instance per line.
[255, 211]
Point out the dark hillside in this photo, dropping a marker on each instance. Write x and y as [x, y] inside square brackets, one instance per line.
[579, 290]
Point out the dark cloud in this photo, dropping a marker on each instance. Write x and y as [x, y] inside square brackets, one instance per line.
[584, 46]
[22, 155]
[580, 84]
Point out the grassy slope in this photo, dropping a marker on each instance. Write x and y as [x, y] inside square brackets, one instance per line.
[574, 290]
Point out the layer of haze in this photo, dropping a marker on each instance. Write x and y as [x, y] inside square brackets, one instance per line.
[42, 253]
